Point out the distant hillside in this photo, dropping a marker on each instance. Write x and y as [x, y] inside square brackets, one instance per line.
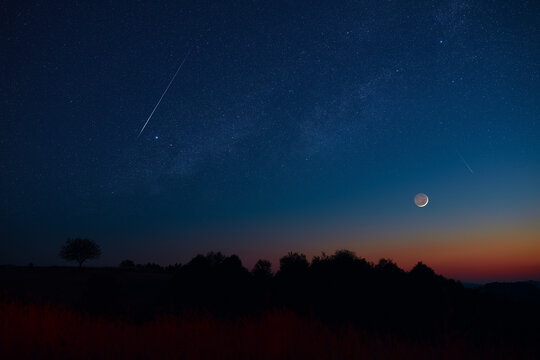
[468, 285]
[523, 290]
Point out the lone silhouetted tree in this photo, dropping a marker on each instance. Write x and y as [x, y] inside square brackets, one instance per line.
[80, 250]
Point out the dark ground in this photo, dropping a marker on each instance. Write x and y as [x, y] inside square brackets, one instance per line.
[340, 291]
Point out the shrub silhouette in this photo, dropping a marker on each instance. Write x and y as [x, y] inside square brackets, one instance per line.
[127, 264]
[80, 250]
[150, 266]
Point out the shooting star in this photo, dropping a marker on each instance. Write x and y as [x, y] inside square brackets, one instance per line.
[465, 162]
[162, 95]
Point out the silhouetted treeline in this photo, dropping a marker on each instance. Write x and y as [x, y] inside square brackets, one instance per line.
[345, 288]
[338, 289]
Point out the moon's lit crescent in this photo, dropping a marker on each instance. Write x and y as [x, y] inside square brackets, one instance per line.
[421, 200]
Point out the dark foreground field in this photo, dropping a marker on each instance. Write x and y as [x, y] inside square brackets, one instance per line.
[49, 332]
[334, 307]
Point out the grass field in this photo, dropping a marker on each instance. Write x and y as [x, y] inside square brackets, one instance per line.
[31, 331]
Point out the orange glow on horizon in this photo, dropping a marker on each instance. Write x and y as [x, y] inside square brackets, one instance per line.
[482, 254]
[505, 253]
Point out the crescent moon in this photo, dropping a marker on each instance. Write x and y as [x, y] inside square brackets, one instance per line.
[421, 199]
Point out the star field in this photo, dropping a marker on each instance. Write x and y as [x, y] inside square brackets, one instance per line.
[281, 112]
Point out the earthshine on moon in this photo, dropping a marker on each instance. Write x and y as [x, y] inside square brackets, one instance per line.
[421, 200]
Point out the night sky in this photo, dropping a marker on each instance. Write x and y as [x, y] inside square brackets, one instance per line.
[290, 127]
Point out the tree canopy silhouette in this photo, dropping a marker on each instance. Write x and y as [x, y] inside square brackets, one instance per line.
[80, 250]
[293, 265]
[262, 270]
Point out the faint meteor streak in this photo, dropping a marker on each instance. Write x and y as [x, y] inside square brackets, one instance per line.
[162, 95]
[465, 162]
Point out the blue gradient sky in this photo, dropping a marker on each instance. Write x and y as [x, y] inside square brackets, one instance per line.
[290, 127]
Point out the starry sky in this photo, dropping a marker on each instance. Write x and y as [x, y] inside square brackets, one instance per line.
[291, 126]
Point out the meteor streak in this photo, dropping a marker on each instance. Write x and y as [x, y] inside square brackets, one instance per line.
[162, 95]
[465, 162]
